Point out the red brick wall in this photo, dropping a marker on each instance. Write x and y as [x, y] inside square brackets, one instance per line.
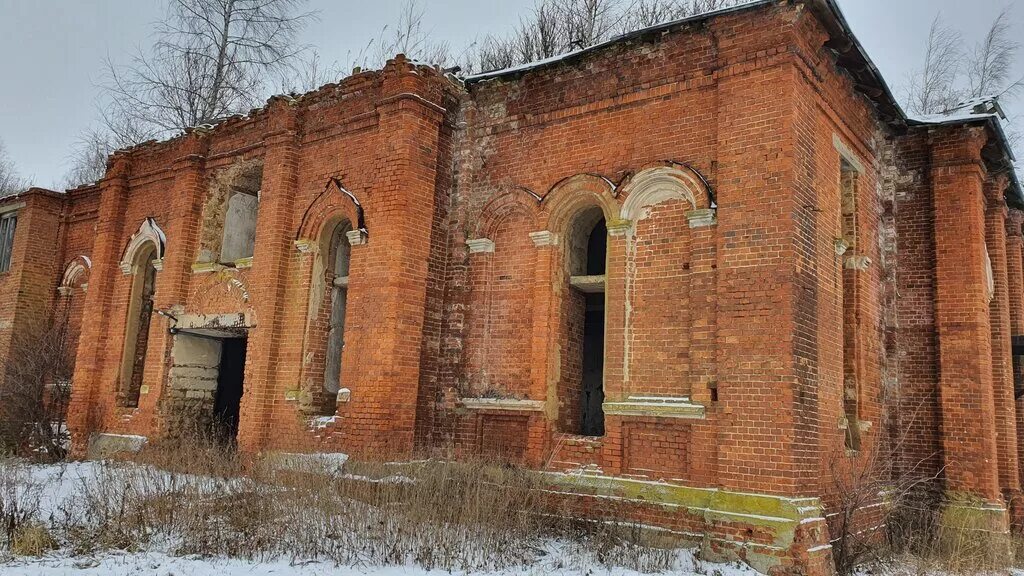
[740, 310]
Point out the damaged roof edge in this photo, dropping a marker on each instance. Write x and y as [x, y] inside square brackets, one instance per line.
[847, 47]
[1015, 196]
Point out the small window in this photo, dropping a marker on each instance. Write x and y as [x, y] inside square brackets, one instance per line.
[8, 222]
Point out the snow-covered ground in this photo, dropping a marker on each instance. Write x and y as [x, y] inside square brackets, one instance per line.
[157, 564]
[59, 489]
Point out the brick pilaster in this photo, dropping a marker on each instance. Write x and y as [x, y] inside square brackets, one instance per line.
[962, 316]
[999, 317]
[85, 412]
[273, 252]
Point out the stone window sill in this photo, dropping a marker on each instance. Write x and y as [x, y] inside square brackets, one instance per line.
[504, 404]
[654, 407]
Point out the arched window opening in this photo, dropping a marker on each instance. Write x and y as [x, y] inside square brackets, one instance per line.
[850, 307]
[337, 255]
[583, 378]
[140, 312]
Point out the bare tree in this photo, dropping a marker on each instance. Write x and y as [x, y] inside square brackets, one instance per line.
[991, 64]
[210, 59]
[309, 74]
[10, 181]
[556, 27]
[933, 89]
[406, 36]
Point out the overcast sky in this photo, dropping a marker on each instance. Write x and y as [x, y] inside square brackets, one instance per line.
[52, 51]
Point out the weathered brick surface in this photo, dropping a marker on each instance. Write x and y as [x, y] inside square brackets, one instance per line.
[763, 332]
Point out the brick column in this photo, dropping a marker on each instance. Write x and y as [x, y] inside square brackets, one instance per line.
[274, 248]
[404, 233]
[999, 318]
[172, 282]
[965, 339]
[86, 411]
[545, 270]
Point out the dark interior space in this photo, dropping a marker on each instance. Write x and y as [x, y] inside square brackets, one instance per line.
[593, 337]
[229, 389]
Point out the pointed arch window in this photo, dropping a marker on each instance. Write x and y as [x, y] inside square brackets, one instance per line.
[336, 263]
[142, 259]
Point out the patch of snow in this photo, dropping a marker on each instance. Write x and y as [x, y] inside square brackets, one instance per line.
[327, 462]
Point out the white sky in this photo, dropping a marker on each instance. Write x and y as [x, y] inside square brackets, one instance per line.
[52, 51]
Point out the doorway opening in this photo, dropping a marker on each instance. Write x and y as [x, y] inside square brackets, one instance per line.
[230, 386]
[206, 379]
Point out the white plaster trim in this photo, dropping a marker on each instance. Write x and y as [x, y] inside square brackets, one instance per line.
[480, 246]
[544, 238]
[12, 207]
[356, 237]
[655, 186]
[655, 407]
[73, 271]
[857, 263]
[589, 284]
[305, 245]
[149, 232]
[701, 218]
[990, 279]
[619, 228]
[505, 404]
[848, 154]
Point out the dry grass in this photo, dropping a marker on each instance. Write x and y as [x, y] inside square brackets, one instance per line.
[20, 496]
[198, 499]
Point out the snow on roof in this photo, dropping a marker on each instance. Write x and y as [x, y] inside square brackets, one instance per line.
[620, 38]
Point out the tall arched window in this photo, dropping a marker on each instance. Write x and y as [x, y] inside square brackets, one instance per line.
[336, 252]
[140, 312]
[582, 393]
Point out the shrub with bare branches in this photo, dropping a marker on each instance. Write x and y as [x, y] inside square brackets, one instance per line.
[35, 391]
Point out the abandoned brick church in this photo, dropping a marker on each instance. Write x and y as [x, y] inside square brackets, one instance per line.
[706, 267]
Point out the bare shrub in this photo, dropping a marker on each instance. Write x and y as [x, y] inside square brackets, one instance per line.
[20, 497]
[439, 515]
[35, 390]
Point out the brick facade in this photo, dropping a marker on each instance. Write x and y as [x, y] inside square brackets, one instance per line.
[794, 274]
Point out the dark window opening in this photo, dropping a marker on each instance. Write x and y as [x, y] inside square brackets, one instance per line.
[337, 270]
[140, 313]
[230, 386]
[583, 391]
[8, 222]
